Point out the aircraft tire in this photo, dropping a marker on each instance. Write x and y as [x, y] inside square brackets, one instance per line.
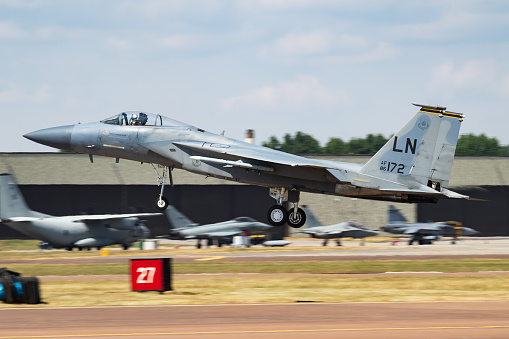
[277, 215]
[299, 220]
[162, 204]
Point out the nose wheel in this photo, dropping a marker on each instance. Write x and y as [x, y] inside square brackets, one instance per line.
[162, 203]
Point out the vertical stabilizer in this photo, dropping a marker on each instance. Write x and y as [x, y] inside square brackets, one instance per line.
[12, 203]
[422, 151]
[311, 220]
[177, 219]
[446, 147]
[395, 216]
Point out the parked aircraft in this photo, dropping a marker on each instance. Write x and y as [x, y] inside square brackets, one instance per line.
[414, 166]
[183, 228]
[346, 229]
[424, 232]
[81, 231]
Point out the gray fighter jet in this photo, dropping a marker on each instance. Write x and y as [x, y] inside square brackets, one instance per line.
[424, 233]
[414, 166]
[346, 229]
[81, 231]
[184, 229]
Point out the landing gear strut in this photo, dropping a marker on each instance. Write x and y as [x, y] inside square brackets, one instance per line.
[278, 216]
[162, 202]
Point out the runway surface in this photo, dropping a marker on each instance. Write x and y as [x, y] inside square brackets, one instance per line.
[298, 320]
[479, 319]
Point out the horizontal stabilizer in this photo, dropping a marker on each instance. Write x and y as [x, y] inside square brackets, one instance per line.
[453, 195]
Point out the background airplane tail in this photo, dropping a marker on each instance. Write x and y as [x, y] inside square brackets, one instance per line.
[12, 203]
[311, 220]
[395, 216]
[177, 219]
[421, 151]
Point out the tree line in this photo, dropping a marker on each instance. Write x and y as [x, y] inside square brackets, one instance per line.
[302, 143]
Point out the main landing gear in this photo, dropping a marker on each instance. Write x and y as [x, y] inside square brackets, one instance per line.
[278, 215]
[162, 202]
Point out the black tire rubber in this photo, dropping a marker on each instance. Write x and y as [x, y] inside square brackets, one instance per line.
[299, 221]
[277, 215]
[162, 206]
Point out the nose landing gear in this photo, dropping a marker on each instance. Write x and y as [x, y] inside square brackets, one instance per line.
[278, 216]
[162, 202]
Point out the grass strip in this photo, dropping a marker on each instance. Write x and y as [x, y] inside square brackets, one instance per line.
[323, 267]
[278, 290]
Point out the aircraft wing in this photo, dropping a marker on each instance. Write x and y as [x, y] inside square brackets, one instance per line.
[235, 152]
[423, 229]
[104, 217]
[245, 156]
[311, 231]
[343, 233]
[20, 219]
[223, 234]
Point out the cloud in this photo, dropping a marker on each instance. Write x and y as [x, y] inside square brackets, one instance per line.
[451, 24]
[163, 8]
[317, 42]
[14, 94]
[479, 75]
[11, 31]
[119, 44]
[177, 41]
[302, 93]
[20, 3]
[294, 5]
[382, 51]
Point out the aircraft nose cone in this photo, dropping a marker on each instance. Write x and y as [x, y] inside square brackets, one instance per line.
[372, 233]
[57, 137]
[263, 226]
[469, 231]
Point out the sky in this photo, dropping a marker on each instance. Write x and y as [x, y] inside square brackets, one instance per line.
[338, 68]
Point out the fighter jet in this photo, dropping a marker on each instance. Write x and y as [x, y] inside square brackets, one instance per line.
[80, 231]
[424, 233]
[413, 166]
[346, 229]
[183, 228]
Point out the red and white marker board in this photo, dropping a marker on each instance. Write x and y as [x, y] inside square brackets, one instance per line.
[151, 275]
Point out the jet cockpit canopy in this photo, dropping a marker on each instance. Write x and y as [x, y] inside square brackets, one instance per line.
[139, 118]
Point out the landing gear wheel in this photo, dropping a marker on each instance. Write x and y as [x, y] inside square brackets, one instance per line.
[277, 215]
[298, 219]
[162, 203]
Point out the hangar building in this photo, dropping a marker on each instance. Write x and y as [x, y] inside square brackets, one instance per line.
[68, 183]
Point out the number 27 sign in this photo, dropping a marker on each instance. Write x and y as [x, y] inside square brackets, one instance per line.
[151, 274]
